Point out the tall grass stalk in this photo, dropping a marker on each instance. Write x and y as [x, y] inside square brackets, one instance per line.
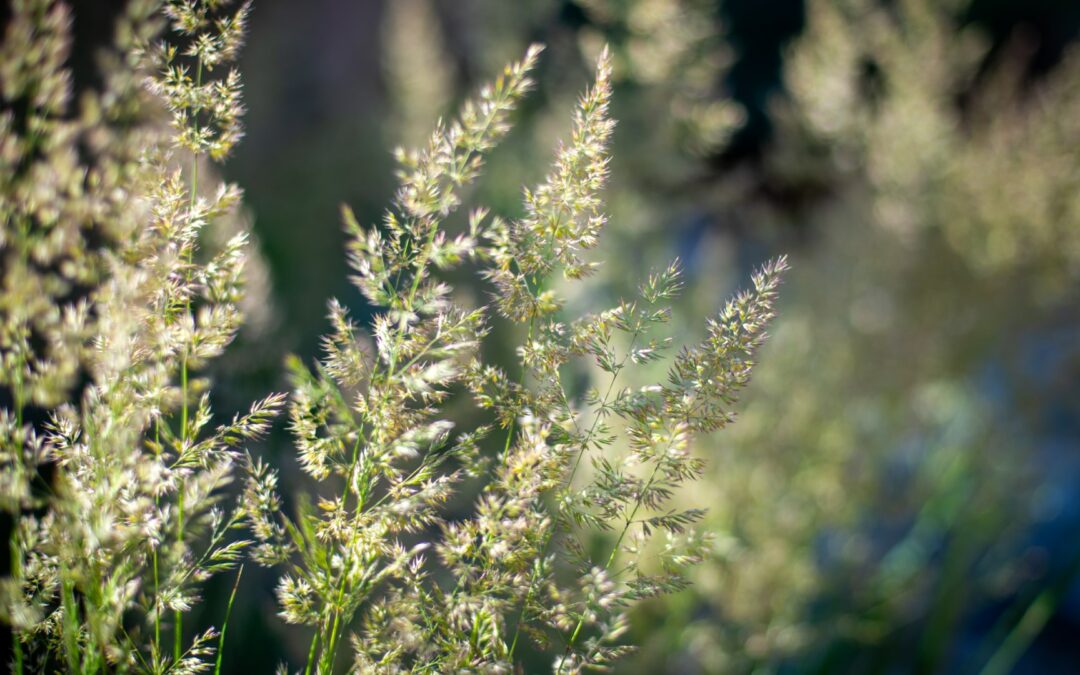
[114, 297]
[371, 412]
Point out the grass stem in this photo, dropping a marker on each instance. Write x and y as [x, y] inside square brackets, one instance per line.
[225, 623]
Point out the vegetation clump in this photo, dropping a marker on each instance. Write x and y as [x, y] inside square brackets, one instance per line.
[469, 593]
[115, 297]
[113, 476]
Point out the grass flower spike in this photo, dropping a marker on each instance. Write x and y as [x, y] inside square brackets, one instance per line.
[116, 471]
[434, 595]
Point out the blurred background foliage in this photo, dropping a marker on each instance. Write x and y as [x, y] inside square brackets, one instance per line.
[901, 492]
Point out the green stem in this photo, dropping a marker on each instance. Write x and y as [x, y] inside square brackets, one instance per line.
[326, 658]
[1021, 636]
[1033, 620]
[327, 662]
[93, 600]
[311, 651]
[71, 627]
[615, 551]
[178, 620]
[630, 518]
[424, 254]
[16, 573]
[178, 623]
[225, 623]
[506, 449]
[157, 611]
[569, 482]
[14, 545]
[154, 559]
[331, 644]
